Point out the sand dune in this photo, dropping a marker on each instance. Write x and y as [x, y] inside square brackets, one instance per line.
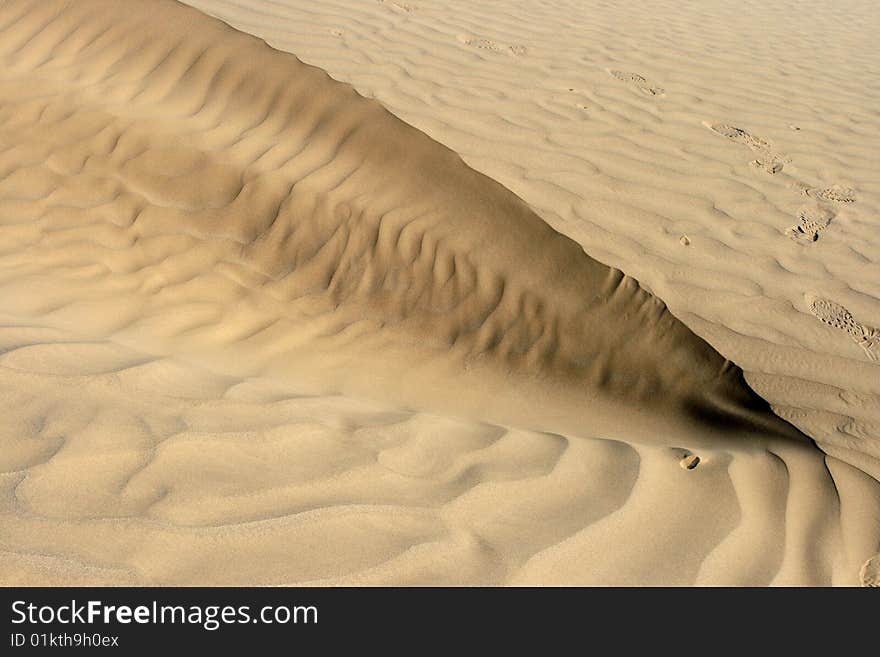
[250, 313]
[309, 223]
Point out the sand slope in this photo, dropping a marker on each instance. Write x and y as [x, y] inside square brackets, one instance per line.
[630, 174]
[213, 241]
[310, 231]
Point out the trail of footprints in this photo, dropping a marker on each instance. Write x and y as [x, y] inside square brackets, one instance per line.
[811, 220]
[814, 219]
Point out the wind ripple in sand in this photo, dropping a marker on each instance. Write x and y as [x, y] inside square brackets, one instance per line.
[144, 201]
[155, 471]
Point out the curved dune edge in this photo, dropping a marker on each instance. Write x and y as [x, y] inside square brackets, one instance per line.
[300, 229]
[176, 185]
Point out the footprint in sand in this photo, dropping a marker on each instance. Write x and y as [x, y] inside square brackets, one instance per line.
[811, 222]
[834, 194]
[833, 314]
[771, 164]
[767, 160]
[639, 82]
[870, 573]
[492, 46]
[397, 6]
[336, 33]
[740, 136]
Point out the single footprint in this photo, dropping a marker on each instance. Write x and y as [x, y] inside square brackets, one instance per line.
[492, 46]
[835, 194]
[833, 314]
[870, 572]
[400, 6]
[811, 222]
[771, 163]
[767, 160]
[740, 136]
[336, 33]
[639, 82]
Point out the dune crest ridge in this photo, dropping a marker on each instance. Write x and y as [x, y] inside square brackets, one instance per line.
[226, 196]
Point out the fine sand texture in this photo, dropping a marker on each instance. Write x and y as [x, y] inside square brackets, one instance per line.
[257, 329]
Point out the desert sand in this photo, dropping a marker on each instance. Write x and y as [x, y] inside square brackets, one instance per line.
[362, 292]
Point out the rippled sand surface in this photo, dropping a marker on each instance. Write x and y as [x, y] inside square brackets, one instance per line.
[260, 327]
